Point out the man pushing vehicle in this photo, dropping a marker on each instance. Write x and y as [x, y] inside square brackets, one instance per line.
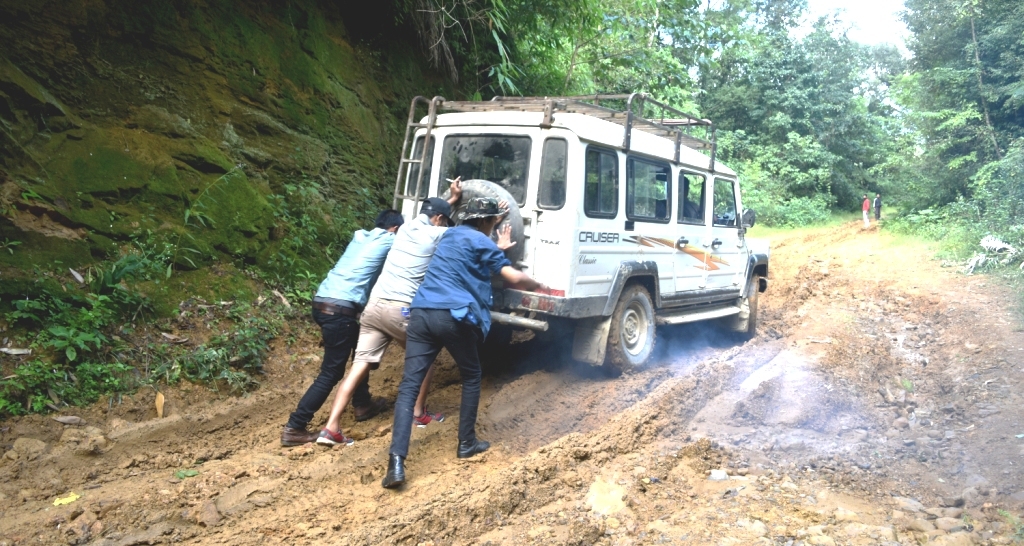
[451, 310]
[387, 313]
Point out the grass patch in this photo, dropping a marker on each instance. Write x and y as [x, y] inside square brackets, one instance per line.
[836, 218]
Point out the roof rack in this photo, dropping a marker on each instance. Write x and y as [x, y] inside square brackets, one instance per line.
[669, 122]
[640, 112]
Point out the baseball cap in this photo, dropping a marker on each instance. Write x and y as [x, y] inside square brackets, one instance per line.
[432, 206]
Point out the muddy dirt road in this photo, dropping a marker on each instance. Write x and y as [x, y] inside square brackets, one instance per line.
[881, 403]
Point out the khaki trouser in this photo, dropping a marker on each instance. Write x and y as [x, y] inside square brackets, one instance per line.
[381, 323]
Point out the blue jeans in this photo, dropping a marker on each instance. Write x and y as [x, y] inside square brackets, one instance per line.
[340, 334]
[428, 332]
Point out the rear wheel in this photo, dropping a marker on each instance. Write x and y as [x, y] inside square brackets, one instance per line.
[632, 334]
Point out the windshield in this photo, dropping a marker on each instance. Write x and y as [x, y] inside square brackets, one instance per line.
[502, 159]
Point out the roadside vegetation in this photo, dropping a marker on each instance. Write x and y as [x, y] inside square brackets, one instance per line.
[95, 334]
[811, 119]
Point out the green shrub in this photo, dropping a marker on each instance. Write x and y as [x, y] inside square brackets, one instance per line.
[78, 355]
[233, 358]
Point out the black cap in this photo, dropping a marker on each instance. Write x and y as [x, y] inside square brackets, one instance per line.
[433, 206]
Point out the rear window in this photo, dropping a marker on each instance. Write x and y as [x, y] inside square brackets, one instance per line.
[502, 159]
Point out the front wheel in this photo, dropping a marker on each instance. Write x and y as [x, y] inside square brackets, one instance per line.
[745, 323]
[632, 334]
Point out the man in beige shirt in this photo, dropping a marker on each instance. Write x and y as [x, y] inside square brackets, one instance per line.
[386, 314]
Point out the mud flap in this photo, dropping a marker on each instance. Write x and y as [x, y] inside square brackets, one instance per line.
[591, 340]
[738, 322]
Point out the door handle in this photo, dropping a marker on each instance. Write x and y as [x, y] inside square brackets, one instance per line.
[682, 241]
[716, 242]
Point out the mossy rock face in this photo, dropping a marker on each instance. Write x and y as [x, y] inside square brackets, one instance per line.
[247, 132]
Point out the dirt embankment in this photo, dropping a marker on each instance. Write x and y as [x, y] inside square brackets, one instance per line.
[880, 404]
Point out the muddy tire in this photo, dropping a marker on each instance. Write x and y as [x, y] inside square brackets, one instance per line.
[486, 188]
[745, 323]
[632, 334]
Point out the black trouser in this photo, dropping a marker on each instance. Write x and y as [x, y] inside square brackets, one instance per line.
[340, 335]
[429, 330]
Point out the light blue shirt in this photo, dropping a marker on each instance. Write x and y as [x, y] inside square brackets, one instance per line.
[358, 269]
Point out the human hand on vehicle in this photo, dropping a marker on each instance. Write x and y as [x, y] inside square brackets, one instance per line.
[455, 189]
[505, 241]
[503, 208]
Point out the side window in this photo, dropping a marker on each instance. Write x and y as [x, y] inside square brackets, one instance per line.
[601, 189]
[725, 203]
[647, 190]
[551, 193]
[691, 198]
[414, 168]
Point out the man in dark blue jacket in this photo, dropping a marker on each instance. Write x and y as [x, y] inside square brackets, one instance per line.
[451, 310]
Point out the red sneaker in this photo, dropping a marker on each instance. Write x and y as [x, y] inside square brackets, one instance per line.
[427, 417]
[331, 438]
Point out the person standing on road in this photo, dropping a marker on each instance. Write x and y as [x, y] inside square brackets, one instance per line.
[878, 207]
[336, 307]
[451, 310]
[387, 313]
[866, 208]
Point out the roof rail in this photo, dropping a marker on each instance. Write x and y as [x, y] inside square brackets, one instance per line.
[639, 111]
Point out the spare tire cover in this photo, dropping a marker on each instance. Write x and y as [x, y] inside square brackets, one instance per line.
[486, 188]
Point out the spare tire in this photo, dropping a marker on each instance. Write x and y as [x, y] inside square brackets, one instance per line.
[485, 188]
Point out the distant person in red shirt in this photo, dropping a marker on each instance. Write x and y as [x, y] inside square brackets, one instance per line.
[867, 209]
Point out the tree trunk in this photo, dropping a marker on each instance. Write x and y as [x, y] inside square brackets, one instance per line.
[981, 92]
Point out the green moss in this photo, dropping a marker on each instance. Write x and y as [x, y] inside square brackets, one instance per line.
[224, 282]
[103, 170]
[37, 250]
[276, 87]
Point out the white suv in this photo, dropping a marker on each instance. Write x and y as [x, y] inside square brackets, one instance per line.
[627, 216]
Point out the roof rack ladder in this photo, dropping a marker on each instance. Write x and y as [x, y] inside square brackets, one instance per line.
[404, 163]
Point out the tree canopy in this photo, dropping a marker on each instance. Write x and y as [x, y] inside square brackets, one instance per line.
[812, 120]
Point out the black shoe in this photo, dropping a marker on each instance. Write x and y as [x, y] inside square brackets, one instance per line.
[472, 447]
[396, 472]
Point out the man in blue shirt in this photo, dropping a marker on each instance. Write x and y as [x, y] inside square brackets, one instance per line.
[336, 308]
[451, 310]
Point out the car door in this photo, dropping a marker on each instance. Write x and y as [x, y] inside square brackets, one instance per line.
[725, 266]
[692, 230]
[649, 211]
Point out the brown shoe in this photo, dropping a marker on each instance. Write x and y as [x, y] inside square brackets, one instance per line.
[291, 437]
[376, 406]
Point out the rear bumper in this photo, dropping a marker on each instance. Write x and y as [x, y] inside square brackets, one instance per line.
[519, 300]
